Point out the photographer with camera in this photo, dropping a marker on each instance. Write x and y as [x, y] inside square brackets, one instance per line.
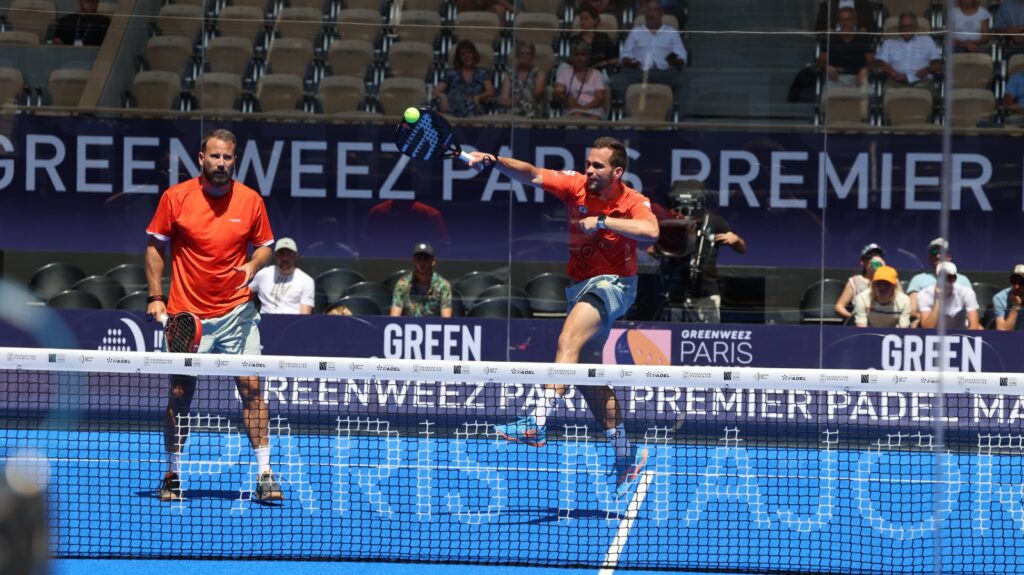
[687, 249]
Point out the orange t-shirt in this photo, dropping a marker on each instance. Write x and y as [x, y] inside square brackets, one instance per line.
[605, 252]
[209, 238]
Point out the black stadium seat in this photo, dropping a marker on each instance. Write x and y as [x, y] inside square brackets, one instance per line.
[131, 276]
[54, 278]
[135, 301]
[105, 289]
[377, 292]
[547, 293]
[357, 304]
[471, 284]
[496, 307]
[392, 279]
[819, 302]
[517, 296]
[331, 285]
[74, 299]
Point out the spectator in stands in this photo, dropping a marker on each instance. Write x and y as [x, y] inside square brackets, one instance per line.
[846, 57]
[828, 15]
[283, 287]
[580, 88]
[925, 279]
[604, 52]
[870, 260]
[1006, 303]
[909, 60]
[83, 28]
[653, 53]
[884, 304]
[969, 24]
[466, 88]
[523, 88]
[1009, 20]
[423, 292]
[961, 302]
[339, 310]
[499, 7]
[1013, 99]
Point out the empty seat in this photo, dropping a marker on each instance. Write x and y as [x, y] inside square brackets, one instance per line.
[1015, 64]
[54, 278]
[315, 4]
[300, 23]
[73, 299]
[516, 296]
[350, 57]
[392, 279]
[544, 59]
[906, 106]
[892, 24]
[132, 277]
[12, 86]
[105, 289]
[66, 85]
[156, 90]
[972, 70]
[473, 284]
[358, 24]
[818, 303]
[135, 301]
[331, 285]
[538, 27]
[18, 38]
[984, 292]
[259, 4]
[547, 293]
[486, 52]
[33, 16]
[842, 105]
[339, 94]
[218, 91]
[168, 53]
[549, 6]
[648, 101]
[418, 26]
[290, 56]
[410, 59]
[397, 94]
[497, 307]
[228, 54]
[478, 27]
[377, 292]
[356, 305]
[429, 5]
[972, 106]
[279, 93]
[180, 20]
[240, 21]
[364, 4]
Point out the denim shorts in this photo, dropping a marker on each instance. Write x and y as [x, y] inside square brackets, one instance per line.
[236, 332]
[617, 292]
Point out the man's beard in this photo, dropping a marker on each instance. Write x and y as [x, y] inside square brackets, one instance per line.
[217, 177]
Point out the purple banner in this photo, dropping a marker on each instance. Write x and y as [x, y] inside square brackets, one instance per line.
[344, 191]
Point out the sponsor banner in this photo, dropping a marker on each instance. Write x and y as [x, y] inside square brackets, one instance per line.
[98, 181]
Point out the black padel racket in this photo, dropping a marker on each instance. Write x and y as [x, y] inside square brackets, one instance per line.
[429, 138]
[183, 331]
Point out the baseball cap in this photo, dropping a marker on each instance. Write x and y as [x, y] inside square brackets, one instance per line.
[423, 248]
[1017, 273]
[939, 243]
[886, 274]
[866, 250]
[286, 244]
[948, 267]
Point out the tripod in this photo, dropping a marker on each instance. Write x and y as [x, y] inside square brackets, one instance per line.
[681, 240]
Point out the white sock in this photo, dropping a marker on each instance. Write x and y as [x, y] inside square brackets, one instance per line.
[547, 403]
[263, 458]
[174, 462]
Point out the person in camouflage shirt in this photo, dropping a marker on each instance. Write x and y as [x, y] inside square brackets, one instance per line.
[423, 292]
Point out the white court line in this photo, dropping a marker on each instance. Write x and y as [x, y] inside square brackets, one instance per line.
[611, 559]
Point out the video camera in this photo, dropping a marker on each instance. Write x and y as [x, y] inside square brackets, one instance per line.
[687, 199]
[686, 237]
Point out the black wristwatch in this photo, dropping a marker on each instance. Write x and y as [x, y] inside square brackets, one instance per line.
[154, 298]
[601, 221]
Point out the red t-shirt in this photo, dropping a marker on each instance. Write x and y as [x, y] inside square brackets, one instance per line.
[605, 252]
[209, 238]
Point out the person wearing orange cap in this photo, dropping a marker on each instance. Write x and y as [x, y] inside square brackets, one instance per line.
[884, 304]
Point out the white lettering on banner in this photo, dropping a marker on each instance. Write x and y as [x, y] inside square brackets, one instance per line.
[778, 179]
[345, 149]
[433, 341]
[298, 169]
[857, 175]
[716, 347]
[917, 353]
[387, 191]
[7, 168]
[251, 157]
[49, 165]
[83, 163]
[177, 155]
[130, 165]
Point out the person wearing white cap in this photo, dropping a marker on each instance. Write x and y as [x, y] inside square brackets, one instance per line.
[284, 288]
[927, 278]
[1006, 304]
[961, 304]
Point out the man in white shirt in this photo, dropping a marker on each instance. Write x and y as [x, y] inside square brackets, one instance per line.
[283, 287]
[961, 303]
[653, 53]
[909, 60]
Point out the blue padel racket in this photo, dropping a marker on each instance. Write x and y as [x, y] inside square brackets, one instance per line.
[429, 138]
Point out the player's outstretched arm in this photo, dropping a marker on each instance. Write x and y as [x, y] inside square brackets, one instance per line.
[522, 172]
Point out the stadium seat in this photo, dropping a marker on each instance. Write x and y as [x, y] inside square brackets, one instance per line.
[428, 5]
[972, 70]
[16, 38]
[364, 4]
[897, 7]
[290, 56]
[259, 4]
[819, 300]
[907, 106]
[608, 24]
[376, 291]
[397, 94]
[199, 3]
[33, 16]
[54, 278]
[844, 106]
[340, 94]
[1014, 65]
[458, 307]
[66, 85]
[228, 54]
[314, 4]
[331, 285]
[479, 27]
[410, 59]
[72, 299]
[180, 20]
[538, 27]
[12, 86]
[547, 293]
[486, 57]
[168, 53]
[392, 279]
[972, 106]
[350, 57]
[544, 59]
[518, 297]
[240, 21]
[156, 90]
[358, 24]
[473, 284]
[300, 23]
[891, 26]
[105, 289]
[280, 93]
[547, 6]
[218, 91]
[131, 276]
[356, 304]
[984, 293]
[135, 301]
[648, 101]
[497, 307]
[418, 26]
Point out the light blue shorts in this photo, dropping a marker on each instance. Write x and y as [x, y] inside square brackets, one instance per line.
[236, 332]
[616, 292]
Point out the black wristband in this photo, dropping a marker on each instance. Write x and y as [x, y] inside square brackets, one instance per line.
[154, 298]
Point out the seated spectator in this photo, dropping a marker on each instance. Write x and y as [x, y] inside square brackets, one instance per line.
[1013, 99]
[580, 88]
[870, 260]
[828, 15]
[909, 60]
[283, 287]
[604, 52]
[845, 57]
[499, 7]
[652, 53]
[466, 88]
[1009, 21]
[523, 88]
[1006, 303]
[925, 279]
[961, 302]
[884, 304]
[423, 292]
[969, 24]
[339, 310]
[83, 28]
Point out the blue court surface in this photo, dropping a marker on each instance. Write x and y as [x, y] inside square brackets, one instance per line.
[467, 498]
